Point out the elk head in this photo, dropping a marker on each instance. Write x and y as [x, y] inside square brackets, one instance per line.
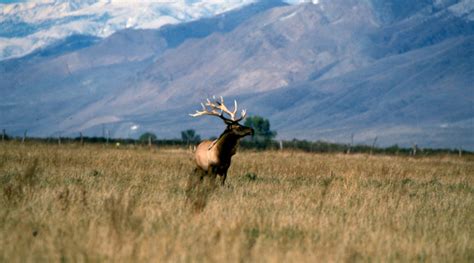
[218, 109]
[214, 157]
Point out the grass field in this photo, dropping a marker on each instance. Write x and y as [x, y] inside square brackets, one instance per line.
[97, 203]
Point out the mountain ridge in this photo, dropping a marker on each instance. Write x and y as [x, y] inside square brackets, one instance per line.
[27, 26]
[322, 71]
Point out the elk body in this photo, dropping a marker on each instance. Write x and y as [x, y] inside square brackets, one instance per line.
[213, 158]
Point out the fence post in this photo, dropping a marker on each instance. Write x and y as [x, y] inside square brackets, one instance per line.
[3, 134]
[24, 136]
[108, 136]
[415, 147]
[82, 138]
[149, 141]
[281, 145]
[373, 145]
[350, 145]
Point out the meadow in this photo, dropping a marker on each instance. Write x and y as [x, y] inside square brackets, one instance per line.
[100, 203]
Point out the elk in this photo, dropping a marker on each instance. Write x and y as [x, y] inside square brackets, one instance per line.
[213, 157]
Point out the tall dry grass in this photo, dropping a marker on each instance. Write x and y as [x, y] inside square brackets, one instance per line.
[97, 203]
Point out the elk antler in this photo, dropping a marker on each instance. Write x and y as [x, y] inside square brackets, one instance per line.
[213, 108]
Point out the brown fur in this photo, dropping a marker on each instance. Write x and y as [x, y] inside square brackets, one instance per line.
[214, 157]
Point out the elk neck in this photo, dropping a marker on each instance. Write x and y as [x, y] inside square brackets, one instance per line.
[226, 144]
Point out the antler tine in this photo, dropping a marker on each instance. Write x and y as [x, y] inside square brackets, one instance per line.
[243, 114]
[205, 110]
[235, 107]
[211, 108]
[221, 106]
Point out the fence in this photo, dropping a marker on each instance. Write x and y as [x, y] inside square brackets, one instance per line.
[301, 145]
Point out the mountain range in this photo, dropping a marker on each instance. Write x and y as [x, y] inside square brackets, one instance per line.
[401, 71]
[29, 25]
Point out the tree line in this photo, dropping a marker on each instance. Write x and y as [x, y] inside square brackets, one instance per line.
[263, 139]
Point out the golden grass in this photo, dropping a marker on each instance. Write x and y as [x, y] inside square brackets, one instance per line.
[97, 203]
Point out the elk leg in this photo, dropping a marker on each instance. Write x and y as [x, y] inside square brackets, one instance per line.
[192, 179]
[198, 174]
[223, 177]
[212, 172]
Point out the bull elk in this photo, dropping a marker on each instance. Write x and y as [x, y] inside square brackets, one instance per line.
[213, 157]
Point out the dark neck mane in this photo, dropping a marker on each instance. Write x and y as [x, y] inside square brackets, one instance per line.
[226, 144]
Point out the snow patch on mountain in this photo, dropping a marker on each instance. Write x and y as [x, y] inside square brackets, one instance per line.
[464, 8]
[302, 1]
[26, 26]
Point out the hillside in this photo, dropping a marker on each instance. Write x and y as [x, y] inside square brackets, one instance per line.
[401, 72]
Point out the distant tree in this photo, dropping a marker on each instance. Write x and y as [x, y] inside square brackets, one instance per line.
[263, 136]
[190, 136]
[147, 136]
[261, 127]
[4, 135]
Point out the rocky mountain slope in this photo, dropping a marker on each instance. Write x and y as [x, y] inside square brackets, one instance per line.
[401, 72]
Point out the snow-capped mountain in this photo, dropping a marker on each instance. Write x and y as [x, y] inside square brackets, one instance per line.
[27, 26]
[398, 70]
